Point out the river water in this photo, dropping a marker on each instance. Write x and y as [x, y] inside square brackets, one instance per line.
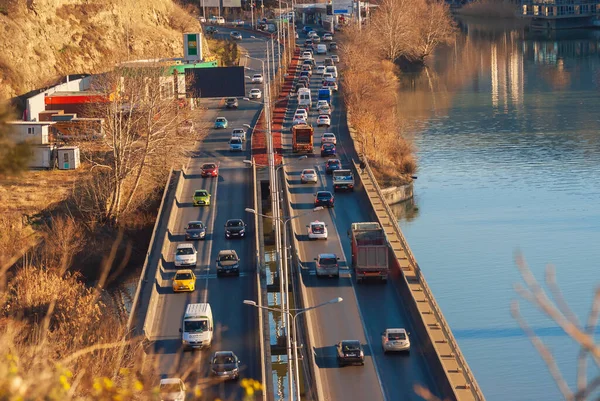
[506, 124]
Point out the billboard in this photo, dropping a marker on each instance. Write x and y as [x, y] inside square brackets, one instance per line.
[192, 47]
[232, 3]
[215, 82]
[342, 7]
[217, 3]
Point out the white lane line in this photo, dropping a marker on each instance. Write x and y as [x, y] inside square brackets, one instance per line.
[212, 217]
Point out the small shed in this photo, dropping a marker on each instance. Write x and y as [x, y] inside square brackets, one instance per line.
[41, 157]
[68, 158]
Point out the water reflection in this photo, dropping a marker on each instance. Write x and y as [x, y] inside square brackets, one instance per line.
[405, 211]
[506, 126]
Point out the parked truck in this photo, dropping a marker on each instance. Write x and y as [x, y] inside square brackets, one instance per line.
[343, 180]
[369, 251]
[302, 138]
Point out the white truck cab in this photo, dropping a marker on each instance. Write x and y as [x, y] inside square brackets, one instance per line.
[197, 326]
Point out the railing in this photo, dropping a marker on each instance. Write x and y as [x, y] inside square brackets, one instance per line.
[430, 298]
[143, 277]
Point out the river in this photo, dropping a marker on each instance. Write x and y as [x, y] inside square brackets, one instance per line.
[506, 124]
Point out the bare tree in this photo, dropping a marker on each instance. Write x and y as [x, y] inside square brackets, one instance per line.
[434, 27]
[395, 27]
[141, 119]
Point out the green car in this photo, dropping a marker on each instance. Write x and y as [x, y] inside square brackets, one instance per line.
[201, 197]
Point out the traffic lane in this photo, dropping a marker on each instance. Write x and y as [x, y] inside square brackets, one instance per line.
[358, 382]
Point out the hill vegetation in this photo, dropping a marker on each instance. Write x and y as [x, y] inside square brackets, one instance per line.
[44, 40]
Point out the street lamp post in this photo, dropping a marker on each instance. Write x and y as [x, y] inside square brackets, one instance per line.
[297, 312]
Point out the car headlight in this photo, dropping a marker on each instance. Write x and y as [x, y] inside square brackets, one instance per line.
[241, 231]
[227, 232]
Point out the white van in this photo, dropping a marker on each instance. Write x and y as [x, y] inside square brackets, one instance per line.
[197, 326]
[332, 69]
[304, 99]
[321, 49]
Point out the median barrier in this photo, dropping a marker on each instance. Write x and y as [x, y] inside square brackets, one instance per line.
[143, 275]
[445, 356]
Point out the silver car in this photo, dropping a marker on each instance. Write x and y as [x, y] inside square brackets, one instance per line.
[395, 340]
[308, 175]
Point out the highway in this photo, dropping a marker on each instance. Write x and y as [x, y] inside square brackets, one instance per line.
[368, 308]
[236, 327]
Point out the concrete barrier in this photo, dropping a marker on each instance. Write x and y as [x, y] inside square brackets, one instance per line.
[446, 359]
[133, 314]
[148, 328]
[393, 195]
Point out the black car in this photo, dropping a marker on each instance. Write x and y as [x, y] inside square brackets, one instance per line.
[328, 149]
[228, 262]
[225, 364]
[235, 228]
[332, 165]
[324, 198]
[350, 352]
[195, 230]
[211, 30]
[333, 46]
[231, 103]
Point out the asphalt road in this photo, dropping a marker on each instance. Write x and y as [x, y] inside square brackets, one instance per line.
[236, 326]
[367, 309]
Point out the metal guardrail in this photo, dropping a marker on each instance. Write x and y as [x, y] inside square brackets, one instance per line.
[143, 273]
[430, 298]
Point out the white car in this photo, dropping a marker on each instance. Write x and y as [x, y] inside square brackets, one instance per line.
[326, 75]
[320, 70]
[172, 389]
[306, 56]
[255, 94]
[257, 79]
[312, 34]
[324, 121]
[185, 255]
[317, 230]
[308, 175]
[298, 121]
[327, 37]
[202, 20]
[329, 137]
[335, 58]
[321, 103]
[220, 20]
[324, 109]
[239, 133]
[395, 340]
[301, 112]
[235, 35]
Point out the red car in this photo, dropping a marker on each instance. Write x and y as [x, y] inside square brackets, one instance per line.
[210, 170]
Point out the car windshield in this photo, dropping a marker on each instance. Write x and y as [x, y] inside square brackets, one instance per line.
[201, 193]
[309, 171]
[228, 256]
[328, 146]
[170, 388]
[328, 261]
[185, 251]
[208, 166]
[195, 226]
[349, 347]
[195, 326]
[223, 359]
[234, 223]
[323, 195]
[324, 117]
[257, 76]
[220, 120]
[318, 228]
[236, 141]
[183, 276]
[396, 336]
[238, 131]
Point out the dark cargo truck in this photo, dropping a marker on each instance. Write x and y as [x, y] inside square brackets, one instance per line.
[369, 251]
[302, 138]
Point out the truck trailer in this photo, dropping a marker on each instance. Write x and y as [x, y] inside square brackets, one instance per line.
[370, 251]
[302, 138]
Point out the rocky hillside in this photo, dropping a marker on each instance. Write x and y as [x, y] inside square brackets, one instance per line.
[43, 40]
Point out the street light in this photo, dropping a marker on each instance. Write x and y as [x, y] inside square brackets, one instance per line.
[297, 312]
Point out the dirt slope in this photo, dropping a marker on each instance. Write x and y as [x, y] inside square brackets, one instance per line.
[46, 39]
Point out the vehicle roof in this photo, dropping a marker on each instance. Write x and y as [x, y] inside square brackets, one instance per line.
[357, 342]
[328, 134]
[209, 164]
[185, 246]
[333, 161]
[200, 190]
[195, 222]
[327, 255]
[172, 380]
[255, 90]
[232, 220]
[309, 170]
[238, 130]
[323, 116]
[227, 252]
[396, 330]
[184, 271]
[316, 222]
[223, 353]
[221, 118]
[324, 192]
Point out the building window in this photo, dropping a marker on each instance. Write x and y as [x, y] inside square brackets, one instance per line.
[30, 130]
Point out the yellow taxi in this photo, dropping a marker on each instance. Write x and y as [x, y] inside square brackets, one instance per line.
[184, 280]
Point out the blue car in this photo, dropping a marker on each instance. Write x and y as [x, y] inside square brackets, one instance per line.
[221, 122]
[327, 149]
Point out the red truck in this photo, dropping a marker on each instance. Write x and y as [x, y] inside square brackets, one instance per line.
[370, 251]
[302, 138]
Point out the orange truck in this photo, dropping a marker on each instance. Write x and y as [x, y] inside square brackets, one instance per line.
[302, 138]
[370, 251]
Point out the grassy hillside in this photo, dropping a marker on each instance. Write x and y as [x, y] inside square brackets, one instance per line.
[47, 39]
